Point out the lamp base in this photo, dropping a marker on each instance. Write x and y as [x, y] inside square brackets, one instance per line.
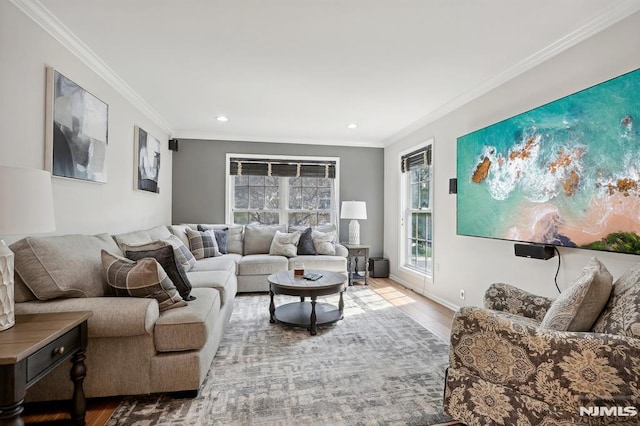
[7, 305]
[354, 232]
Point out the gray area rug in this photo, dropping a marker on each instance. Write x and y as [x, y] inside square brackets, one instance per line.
[375, 367]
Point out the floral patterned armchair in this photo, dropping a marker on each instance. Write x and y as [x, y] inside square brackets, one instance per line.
[505, 369]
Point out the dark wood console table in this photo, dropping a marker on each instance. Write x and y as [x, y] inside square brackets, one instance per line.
[32, 348]
[355, 251]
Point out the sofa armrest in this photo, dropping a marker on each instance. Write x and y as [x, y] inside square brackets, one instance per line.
[112, 316]
[566, 369]
[341, 250]
[507, 298]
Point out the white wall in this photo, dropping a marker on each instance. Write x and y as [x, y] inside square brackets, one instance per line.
[25, 51]
[474, 263]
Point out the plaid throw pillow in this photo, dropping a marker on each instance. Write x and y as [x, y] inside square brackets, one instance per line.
[221, 236]
[183, 255]
[144, 278]
[166, 258]
[202, 244]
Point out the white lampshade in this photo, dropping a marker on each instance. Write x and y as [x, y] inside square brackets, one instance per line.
[353, 210]
[26, 201]
[26, 206]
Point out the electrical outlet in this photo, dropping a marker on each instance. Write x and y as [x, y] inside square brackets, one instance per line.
[462, 294]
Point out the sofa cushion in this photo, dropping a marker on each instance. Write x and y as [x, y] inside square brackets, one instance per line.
[227, 262]
[621, 315]
[144, 278]
[257, 238]
[141, 237]
[223, 281]
[63, 266]
[324, 242]
[305, 245]
[202, 244]
[578, 307]
[188, 328]
[285, 244]
[262, 264]
[167, 259]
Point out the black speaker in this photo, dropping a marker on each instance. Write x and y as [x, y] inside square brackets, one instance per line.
[453, 186]
[534, 251]
[173, 144]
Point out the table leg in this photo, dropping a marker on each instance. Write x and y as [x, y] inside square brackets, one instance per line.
[341, 306]
[78, 373]
[272, 308]
[312, 325]
[366, 269]
[349, 262]
[10, 414]
[301, 298]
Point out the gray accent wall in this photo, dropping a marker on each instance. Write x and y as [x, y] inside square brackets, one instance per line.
[199, 181]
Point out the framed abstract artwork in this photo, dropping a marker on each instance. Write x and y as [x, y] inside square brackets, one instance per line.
[147, 161]
[77, 128]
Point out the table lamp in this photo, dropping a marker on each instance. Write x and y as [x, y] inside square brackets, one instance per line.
[354, 210]
[26, 206]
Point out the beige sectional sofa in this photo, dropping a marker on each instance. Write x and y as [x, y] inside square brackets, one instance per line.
[134, 348]
[248, 247]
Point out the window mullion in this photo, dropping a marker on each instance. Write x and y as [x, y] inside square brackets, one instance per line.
[283, 188]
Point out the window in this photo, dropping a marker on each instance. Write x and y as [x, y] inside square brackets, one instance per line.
[292, 191]
[417, 207]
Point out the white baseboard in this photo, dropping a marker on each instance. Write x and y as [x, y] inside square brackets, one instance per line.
[426, 294]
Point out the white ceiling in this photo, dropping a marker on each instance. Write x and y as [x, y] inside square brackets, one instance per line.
[301, 70]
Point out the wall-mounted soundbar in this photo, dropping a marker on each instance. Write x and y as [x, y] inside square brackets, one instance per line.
[534, 251]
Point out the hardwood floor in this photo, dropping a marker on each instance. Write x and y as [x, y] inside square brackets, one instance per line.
[431, 315]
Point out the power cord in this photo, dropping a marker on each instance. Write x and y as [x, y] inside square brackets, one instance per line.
[555, 279]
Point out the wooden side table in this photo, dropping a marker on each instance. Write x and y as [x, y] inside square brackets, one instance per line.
[355, 251]
[32, 348]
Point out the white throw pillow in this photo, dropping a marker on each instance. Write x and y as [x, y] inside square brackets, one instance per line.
[324, 242]
[284, 244]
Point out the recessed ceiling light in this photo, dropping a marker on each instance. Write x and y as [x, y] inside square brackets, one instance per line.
[222, 118]
[352, 126]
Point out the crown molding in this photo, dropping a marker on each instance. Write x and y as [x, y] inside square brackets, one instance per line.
[204, 135]
[615, 13]
[52, 25]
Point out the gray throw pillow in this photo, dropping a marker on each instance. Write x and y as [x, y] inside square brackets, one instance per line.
[580, 305]
[166, 258]
[284, 244]
[622, 314]
[144, 278]
[305, 245]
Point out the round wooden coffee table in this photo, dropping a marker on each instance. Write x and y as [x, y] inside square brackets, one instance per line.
[306, 314]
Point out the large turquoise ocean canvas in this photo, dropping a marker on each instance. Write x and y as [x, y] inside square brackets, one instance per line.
[566, 173]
